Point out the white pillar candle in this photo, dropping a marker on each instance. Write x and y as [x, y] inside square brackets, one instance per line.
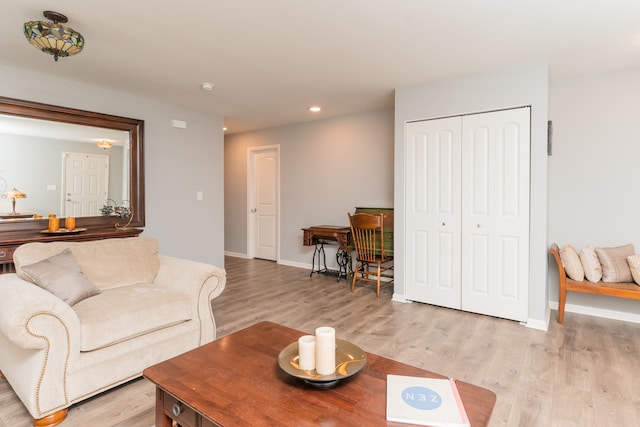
[307, 352]
[325, 350]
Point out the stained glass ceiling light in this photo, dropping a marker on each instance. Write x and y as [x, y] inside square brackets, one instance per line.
[104, 144]
[53, 37]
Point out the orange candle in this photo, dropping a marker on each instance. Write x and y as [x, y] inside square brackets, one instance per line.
[54, 223]
[70, 223]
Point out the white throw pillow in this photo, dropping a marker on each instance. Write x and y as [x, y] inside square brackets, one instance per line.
[591, 264]
[634, 266]
[571, 262]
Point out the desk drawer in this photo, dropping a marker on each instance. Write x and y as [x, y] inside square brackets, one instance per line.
[179, 412]
[6, 254]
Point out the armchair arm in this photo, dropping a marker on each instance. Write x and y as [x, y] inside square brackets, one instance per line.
[204, 281]
[40, 341]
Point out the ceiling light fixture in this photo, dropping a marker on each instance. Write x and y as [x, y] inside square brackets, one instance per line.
[314, 109]
[104, 144]
[207, 86]
[53, 37]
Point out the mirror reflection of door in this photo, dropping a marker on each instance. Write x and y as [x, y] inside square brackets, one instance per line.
[86, 183]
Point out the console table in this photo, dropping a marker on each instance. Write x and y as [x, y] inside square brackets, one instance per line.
[10, 241]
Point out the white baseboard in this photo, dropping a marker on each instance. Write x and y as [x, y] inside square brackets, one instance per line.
[400, 298]
[598, 312]
[295, 264]
[235, 254]
[537, 324]
[542, 325]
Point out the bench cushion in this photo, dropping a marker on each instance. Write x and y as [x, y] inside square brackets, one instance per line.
[614, 263]
[634, 266]
[591, 264]
[126, 312]
[571, 262]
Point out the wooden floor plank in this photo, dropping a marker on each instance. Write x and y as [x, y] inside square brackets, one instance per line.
[581, 373]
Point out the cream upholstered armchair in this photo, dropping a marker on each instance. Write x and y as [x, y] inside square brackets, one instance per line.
[120, 307]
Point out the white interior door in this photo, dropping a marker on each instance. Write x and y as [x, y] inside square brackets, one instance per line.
[432, 211]
[263, 204]
[495, 213]
[86, 184]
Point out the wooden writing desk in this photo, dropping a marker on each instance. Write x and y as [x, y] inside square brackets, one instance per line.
[318, 235]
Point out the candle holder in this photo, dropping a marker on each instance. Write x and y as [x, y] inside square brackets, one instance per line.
[123, 211]
[111, 208]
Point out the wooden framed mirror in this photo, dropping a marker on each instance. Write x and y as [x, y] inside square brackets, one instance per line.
[132, 167]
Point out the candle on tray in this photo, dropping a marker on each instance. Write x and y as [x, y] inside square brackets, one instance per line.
[70, 223]
[54, 223]
[307, 352]
[325, 350]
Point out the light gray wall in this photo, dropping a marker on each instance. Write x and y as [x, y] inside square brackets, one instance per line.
[327, 168]
[518, 86]
[594, 175]
[178, 162]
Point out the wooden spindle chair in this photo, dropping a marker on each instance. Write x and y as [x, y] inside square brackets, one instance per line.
[367, 233]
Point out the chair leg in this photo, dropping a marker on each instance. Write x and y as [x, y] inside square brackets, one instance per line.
[561, 304]
[355, 277]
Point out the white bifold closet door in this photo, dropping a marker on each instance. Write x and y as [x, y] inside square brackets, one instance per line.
[467, 212]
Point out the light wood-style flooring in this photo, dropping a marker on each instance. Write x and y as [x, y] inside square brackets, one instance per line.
[585, 372]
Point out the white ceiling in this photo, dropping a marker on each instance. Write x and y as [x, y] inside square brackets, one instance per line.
[271, 59]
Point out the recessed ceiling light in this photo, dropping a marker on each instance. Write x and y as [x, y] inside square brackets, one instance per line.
[207, 86]
[224, 129]
[314, 109]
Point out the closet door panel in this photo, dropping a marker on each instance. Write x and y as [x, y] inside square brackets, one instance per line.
[432, 211]
[478, 172]
[509, 248]
[495, 201]
[478, 262]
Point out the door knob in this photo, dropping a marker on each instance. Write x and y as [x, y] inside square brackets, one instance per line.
[254, 210]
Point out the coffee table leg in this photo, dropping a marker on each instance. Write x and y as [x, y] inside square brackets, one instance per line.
[161, 419]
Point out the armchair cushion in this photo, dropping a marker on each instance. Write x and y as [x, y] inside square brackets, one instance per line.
[108, 263]
[62, 276]
[122, 313]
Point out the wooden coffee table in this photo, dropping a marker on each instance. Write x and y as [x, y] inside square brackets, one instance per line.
[236, 381]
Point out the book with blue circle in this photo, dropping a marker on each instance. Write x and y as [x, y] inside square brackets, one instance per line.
[425, 401]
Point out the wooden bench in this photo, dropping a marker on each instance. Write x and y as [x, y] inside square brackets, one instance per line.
[628, 290]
